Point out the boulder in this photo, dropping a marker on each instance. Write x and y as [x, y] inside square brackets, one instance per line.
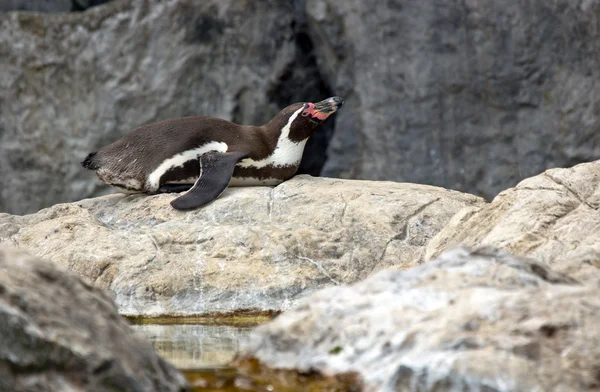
[472, 320]
[73, 82]
[58, 333]
[469, 95]
[553, 217]
[254, 248]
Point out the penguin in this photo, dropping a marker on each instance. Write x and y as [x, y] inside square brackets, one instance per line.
[202, 156]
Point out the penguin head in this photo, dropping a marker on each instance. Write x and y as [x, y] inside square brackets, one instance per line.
[311, 115]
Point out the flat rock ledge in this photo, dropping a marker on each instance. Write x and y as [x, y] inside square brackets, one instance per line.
[258, 249]
[472, 320]
[58, 333]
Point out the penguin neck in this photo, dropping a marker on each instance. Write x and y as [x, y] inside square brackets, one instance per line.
[285, 149]
[280, 129]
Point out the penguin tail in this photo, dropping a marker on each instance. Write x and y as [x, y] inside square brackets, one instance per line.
[91, 162]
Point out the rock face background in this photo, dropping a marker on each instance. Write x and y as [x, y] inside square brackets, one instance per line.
[59, 334]
[251, 249]
[468, 95]
[471, 95]
[473, 320]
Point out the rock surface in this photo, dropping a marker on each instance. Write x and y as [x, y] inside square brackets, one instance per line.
[473, 320]
[467, 95]
[253, 248]
[59, 334]
[553, 217]
[70, 83]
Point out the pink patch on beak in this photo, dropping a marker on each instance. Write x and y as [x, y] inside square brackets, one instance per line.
[310, 111]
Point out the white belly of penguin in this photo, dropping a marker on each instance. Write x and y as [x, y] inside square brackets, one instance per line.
[286, 154]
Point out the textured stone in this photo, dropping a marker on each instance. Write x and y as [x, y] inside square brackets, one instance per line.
[255, 248]
[553, 217]
[71, 83]
[478, 320]
[468, 95]
[57, 333]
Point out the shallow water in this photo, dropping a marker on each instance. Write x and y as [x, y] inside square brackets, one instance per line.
[189, 346]
[203, 349]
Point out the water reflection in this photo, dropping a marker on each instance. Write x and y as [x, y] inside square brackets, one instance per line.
[189, 346]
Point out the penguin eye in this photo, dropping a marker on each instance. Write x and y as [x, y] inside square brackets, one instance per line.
[304, 114]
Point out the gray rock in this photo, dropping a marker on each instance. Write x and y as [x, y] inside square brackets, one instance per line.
[468, 95]
[57, 333]
[553, 217]
[473, 320]
[254, 248]
[70, 83]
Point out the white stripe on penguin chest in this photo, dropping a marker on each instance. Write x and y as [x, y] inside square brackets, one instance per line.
[286, 152]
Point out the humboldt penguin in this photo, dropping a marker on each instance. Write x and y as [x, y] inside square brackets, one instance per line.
[201, 156]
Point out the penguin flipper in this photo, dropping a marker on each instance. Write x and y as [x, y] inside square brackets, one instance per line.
[216, 169]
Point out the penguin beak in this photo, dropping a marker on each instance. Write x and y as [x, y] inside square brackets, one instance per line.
[329, 105]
